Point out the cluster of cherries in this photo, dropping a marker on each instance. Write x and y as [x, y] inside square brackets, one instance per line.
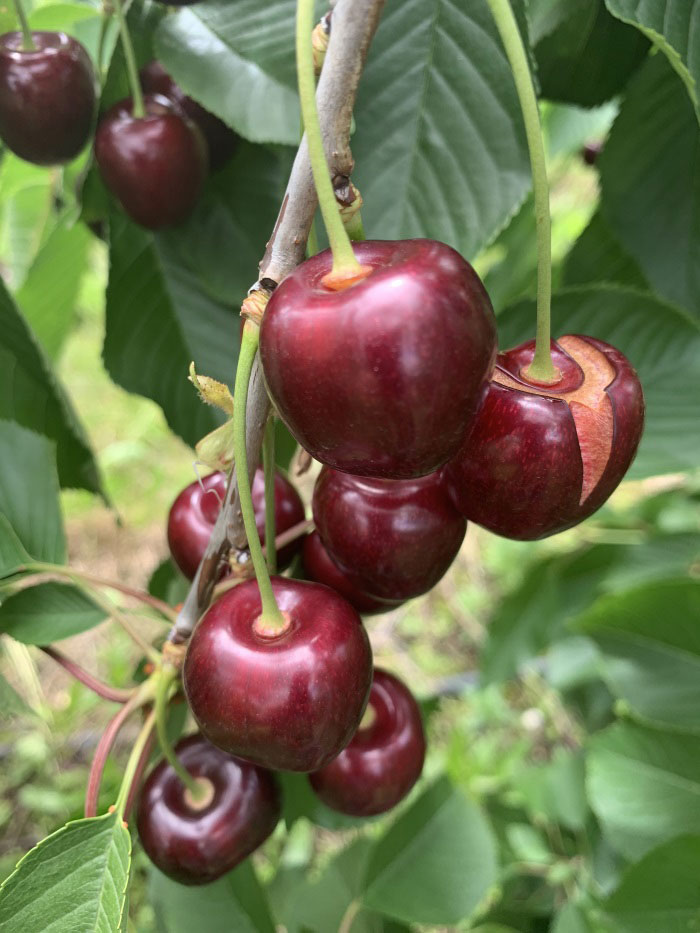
[154, 164]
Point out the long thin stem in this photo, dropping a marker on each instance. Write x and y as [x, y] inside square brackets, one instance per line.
[138, 108]
[141, 765]
[249, 345]
[312, 241]
[268, 451]
[164, 684]
[27, 38]
[345, 267]
[114, 694]
[135, 758]
[542, 368]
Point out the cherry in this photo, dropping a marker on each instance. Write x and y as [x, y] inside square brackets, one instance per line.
[154, 165]
[194, 513]
[221, 140]
[393, 538]
[288, 700]
[47, 97]
[541, 458]
[385, 757]
[383, 377]
[319, 566]
[195, 841]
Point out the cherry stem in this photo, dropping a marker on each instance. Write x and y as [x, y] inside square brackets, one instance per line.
[137, 106]
[27, 39]
[312, 241]
[138, 751]
[343, 256]
[268, 452]
[249, 345]
[140, 768]
[164, 683]
[542, 368]
[114, 694]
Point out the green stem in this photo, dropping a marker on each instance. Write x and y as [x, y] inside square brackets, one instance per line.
[269, 471]
[249, 345]
[132, 764]
[164, 683]
[27, 38]
[355, 228]
[343, 257]
[312, 242]
[138, 108]
[542, 368]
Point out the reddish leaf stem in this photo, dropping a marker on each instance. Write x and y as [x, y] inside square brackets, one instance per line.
[114, 694]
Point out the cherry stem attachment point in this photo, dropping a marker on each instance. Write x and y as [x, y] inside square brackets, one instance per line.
[114, 694]
[542, 368]
[138, 109]
[165, 679]
[28, 43]
[271, 614]
[268, 452]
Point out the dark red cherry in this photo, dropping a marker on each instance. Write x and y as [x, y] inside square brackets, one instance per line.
[47, 97]
[384, 377]
[393, 538]
[221, 140]
[194, 513]
[289, 701]
[385, 757]
[195, 841]
[154, 165]
[319, 566]
[542, 458]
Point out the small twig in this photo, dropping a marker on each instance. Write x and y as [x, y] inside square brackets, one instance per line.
[114, 694]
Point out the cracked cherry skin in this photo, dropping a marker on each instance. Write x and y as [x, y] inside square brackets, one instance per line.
[289, 701]
[197, 844]
[221, 140]
[319, 566]
[383, 377]
[384, 759]
[542, 458]
[195, 510]
[393, 538]
[154, 165]
[47, 97]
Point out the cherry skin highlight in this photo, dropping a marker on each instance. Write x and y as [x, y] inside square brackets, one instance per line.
[221, 140]
[196, 844]
[384, 759]
[384, 377]
[393, 538]
[290, 701]
[319, 566]
[541, 458]
[47, 97]
[154, 165]
[195, 510]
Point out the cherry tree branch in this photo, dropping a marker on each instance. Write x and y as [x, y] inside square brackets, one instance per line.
[353, 25]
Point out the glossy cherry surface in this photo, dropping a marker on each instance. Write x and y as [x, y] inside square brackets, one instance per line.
[196, 844]
[319, 566]
[292, 701]
[47, 97]
[385, 757]
[154, 165]
[542, 458]
[221, 140]
[393, 538]
[382, 378]
[194, 513]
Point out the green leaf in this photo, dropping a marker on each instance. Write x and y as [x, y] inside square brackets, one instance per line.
[644, 786]
[436, 864]
[26, 214]
[75, 879]
[29, 462]
[588, 56]
[555, 790]
[31, 395]
[661, 342]
[11, 703]
[673, 26]
[167, 583]
[234, 902]
[47, 613]
[440, 148]
[650, 180]
[654, 668]
[660, 892]
[597, 256]
[12, 552]
[572, 919]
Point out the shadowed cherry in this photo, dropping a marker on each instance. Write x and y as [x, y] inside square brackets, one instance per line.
[47, 97]
[195, 841]
[291, 700]
[393, 538]
[383, 377]
[154, 165]
[542, 458]
[385, 757]
[195, 510]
